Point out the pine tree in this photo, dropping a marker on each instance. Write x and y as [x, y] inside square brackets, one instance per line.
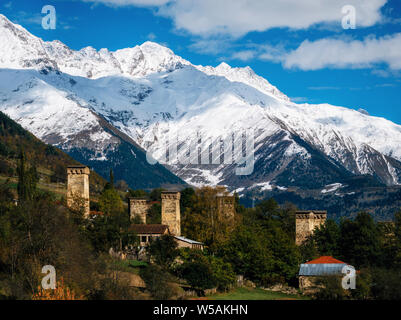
[27, 179]
[111, 179]
[22, 183]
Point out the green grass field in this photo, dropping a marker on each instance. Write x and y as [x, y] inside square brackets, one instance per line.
[131, 266]
[254, 294]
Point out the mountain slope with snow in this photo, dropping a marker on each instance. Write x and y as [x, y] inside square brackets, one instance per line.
[155, 99]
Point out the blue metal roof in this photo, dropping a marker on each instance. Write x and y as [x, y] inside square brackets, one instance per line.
[188, 240]
[322, 269]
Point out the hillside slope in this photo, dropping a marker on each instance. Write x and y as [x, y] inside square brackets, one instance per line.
[50, 161]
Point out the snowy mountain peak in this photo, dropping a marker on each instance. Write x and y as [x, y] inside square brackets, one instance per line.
[147, 91]
[244, 75]
[223, 67]
[23, 50]
[4, 20]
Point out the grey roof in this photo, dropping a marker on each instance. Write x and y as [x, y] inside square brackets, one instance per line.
[322, 269]
[188, 240]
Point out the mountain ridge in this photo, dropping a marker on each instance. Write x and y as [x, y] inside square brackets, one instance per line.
[148, 94]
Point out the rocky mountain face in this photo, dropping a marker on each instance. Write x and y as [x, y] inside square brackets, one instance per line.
[108, 108]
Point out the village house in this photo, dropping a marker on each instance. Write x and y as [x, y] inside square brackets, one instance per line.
[188, 243]
[324, 266]
[148, 232]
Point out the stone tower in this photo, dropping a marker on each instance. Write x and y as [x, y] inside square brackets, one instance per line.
[171, 214]
[226, 206]
[306, 222]
[138, 207]
[78, 187]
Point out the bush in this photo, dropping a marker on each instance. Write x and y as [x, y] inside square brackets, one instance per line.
[386, 284]
[164, 251]
[205, 272]
[198, 274]
[330, 288]
[158, 282]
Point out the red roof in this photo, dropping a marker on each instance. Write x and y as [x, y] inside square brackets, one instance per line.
[325, 259]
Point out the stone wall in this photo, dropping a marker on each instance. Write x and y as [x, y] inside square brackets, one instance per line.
[78, 188]
[138, 207]
[226, 207]
[306, 222]
[171, 214]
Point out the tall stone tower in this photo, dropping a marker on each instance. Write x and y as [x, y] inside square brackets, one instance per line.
[171, 214]
[226, 206]
[138, 207]
[306, 222]
[78, 188]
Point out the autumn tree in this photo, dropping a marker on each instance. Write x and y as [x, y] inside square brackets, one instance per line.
[201, 220]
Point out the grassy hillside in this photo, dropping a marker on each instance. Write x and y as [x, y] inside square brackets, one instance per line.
[50, 161]
[255, 294]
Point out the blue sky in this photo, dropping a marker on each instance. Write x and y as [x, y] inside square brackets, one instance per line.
[299, 46]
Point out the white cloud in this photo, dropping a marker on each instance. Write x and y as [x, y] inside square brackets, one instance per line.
[245, 55]
[210, 46]
[239, 17]
[339, 54]
[236, 18]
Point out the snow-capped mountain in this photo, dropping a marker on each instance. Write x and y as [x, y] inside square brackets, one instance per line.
[88, 101]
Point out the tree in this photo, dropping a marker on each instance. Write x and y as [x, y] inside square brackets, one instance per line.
[158, 282]
[248, 252]
[201, 220]
[308, 249]
[213, 271]
[164, 251]
[396, 256]
[187, 198]
[156, 194]
[327, 238]
[198, 274]
[27, 179]
[122, 185]
[360, 241]
[223, 273]
[42, 233]
[111, 178]
[386, 284]
[137, 194]
[110, 183]
[110, 202]
[154, 215]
